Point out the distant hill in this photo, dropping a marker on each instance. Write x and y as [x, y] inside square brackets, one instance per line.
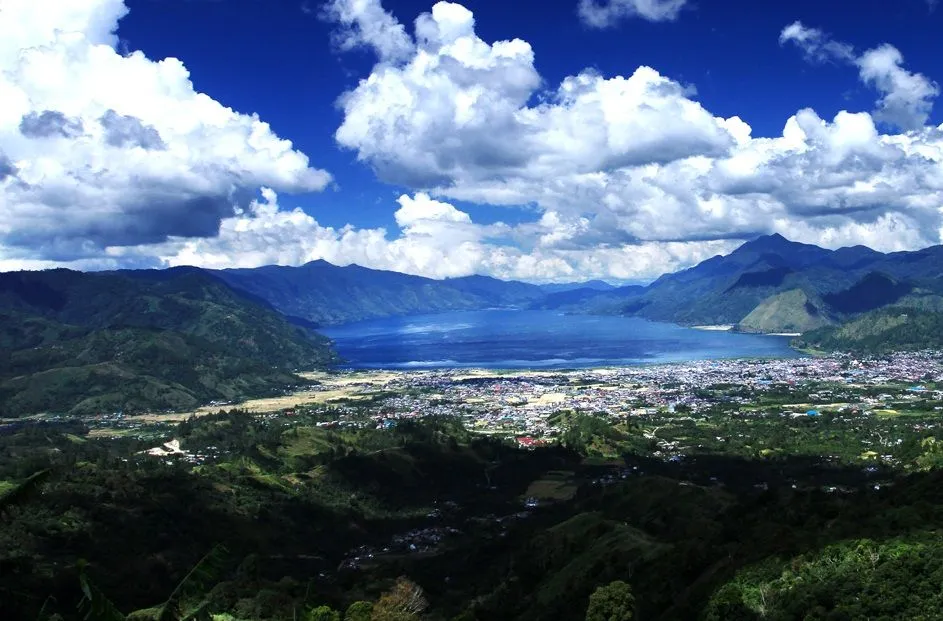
[873, 291]
[173, 339]
[588, 299]
[596, 285]
[745, 288]
[135, 341]
[327, 294]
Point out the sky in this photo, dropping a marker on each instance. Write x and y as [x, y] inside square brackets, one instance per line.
[539, 140]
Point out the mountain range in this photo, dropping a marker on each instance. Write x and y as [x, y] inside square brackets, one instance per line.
[769, 284]
[326, 294]
[146, 340]
[772, 284]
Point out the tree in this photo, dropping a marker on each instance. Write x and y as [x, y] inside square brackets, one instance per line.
[404, 602]
[359, 611]
[323, 613]
[612, 602]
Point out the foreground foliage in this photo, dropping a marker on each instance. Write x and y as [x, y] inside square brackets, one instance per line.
[425, 521]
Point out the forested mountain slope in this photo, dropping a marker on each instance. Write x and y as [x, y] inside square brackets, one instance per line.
[328, 294]
[140, 340]
[760, 284]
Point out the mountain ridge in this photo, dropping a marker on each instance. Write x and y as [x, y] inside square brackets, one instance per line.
[134, 341]
[749, 282]
[768, 284]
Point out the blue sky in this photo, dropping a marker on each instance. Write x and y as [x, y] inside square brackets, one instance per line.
[274, 57]
[626, 180]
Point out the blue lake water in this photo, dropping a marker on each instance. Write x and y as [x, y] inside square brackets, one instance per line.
[509, 339]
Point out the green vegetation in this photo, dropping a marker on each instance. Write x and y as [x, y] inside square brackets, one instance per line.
[613, 602]
[327, 294]
[790, 311]
[736, 512]
[855, 579]
[592, 436]
[140, 341]
[881, 331]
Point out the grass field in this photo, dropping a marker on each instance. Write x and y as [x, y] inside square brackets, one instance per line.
[556, 485]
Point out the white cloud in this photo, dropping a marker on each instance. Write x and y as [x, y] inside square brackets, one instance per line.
[460, 110]
[617, 163]
[365, 23]
[627, 177]
[607, 13]
[906, 97]
[435, 240]
[111, 150]
[815, 44]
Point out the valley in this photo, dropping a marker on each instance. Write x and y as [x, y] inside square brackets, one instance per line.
[485, 450]
[175, 340]
[488, 489]
[353, 310]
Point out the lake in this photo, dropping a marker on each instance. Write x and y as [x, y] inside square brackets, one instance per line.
[512, 339]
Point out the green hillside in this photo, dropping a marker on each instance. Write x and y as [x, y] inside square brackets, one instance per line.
[313, 517]
[135, 341]
[772, 284]
[327, 294]
[897, 328]
[790, 311]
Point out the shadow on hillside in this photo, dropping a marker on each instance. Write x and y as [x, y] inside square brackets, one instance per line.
[678, 532]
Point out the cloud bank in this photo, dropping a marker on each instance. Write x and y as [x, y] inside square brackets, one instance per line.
[104, 150]
[109, 160]
[627, 160]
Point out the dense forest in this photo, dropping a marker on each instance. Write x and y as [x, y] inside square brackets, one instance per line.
[276, 517]
[886, 330]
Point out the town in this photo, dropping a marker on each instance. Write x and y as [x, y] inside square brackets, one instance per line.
[722, 406]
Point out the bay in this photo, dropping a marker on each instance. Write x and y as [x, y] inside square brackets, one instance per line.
[525, 339]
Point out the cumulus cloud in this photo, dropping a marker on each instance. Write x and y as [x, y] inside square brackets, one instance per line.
[49, 124]
[617, 164]
[435, 239]
[458, 110]
[906, 98]
[364, 23]
[607, 13]
[6, 166]
[125, 131]
[625, 177]
[108, 150]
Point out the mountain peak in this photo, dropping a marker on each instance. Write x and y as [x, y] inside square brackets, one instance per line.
[774, 244]
[768, 241]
